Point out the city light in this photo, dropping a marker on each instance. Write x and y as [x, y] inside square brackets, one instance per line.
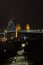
[16, 33]
[23, 45]
[4, 39]
[27, 27]
[18, 27]
[5, 30]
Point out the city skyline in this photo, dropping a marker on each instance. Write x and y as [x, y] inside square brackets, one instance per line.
[26, 11]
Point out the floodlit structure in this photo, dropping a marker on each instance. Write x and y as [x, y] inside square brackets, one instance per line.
[27, 27]
[18, 27]
[11, 25]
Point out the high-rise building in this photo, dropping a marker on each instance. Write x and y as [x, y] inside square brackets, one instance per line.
[11, 25]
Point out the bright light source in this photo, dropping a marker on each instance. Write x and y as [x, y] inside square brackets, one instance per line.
[18, 27]
[27, 27]
[16, 33]
[4, 39]
[23, 45]
[24, 37]
[5, 31]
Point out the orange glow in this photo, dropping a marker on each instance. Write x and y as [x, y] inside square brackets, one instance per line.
[27, 27]
[16, 33]
[18, 27]
[5, 30]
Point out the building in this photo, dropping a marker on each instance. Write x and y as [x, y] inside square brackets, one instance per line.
[11, 25]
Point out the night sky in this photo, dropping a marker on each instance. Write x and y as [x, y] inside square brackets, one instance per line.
[27, 11]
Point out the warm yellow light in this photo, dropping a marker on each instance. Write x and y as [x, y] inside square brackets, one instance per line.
[18, 27]
[5, 31]
[16, 33]
[27, 27]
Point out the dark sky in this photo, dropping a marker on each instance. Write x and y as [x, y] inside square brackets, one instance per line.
[28, 11]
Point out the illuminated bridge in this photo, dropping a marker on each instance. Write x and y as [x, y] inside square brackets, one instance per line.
[20, 33]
